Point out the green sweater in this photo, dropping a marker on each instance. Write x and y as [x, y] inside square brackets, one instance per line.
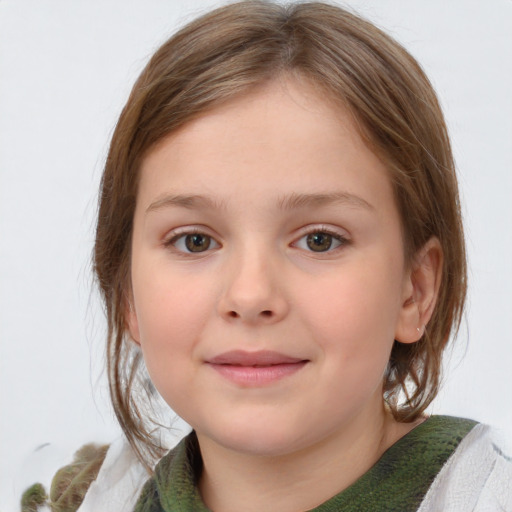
[398, 481]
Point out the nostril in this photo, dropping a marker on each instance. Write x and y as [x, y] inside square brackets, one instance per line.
[266, 313]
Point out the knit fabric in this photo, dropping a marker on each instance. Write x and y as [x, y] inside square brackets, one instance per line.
[398, 481]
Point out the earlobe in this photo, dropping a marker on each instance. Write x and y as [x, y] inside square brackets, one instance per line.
[421, 288]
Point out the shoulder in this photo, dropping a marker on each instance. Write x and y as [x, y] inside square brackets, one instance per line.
[118, 482]
[149, 499]
[70, 483]
[100, 477]
[173, 485]
[106, 478]
[477, 477]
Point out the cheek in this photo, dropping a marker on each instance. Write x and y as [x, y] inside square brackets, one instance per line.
[171, 320]
[171, 313]
[354, 337]
[352, 315]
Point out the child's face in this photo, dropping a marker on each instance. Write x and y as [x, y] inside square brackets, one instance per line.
[268, 272]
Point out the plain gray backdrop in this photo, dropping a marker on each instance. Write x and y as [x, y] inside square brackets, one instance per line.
[66, 68]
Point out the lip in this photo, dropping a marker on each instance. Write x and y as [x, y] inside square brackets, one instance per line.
[253, 369]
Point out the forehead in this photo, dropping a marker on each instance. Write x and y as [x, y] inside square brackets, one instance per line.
[282, 137]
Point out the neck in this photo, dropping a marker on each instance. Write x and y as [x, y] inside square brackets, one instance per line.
[233, 481]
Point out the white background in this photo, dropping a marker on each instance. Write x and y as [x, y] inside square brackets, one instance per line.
[66, 68]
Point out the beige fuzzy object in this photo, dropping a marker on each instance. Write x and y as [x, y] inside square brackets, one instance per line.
[70, 483]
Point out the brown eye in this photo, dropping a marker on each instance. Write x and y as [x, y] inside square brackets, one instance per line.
[319, 242]
[193, 242]
[197, 242]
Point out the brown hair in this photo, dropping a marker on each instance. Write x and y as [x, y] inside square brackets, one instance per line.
[225, 53]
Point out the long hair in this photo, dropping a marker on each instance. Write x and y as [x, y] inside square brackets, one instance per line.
[224, 54]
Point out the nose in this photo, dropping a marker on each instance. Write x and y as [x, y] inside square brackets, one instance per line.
[253, 292]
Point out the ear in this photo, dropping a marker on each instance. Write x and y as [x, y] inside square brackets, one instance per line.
[420, 291]
[131, 320]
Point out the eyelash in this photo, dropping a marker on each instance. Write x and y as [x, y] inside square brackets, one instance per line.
[182, 235]
[324, 230]
[177, 236]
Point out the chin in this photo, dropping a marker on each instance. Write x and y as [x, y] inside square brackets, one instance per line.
[259, 439]
[262, 445]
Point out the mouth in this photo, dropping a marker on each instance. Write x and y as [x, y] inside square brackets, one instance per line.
[253, 369]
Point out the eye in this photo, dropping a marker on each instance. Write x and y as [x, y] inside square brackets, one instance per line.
[320, 241]
[193, 242]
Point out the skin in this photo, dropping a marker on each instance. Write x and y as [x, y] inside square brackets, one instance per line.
[275, 165]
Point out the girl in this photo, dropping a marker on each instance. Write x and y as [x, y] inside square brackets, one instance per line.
[279, 240]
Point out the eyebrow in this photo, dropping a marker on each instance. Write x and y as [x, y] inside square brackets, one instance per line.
[293, 201]
[190, 201]
[297, 201]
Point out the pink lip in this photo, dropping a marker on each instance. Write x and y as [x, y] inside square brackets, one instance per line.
[255, 368]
